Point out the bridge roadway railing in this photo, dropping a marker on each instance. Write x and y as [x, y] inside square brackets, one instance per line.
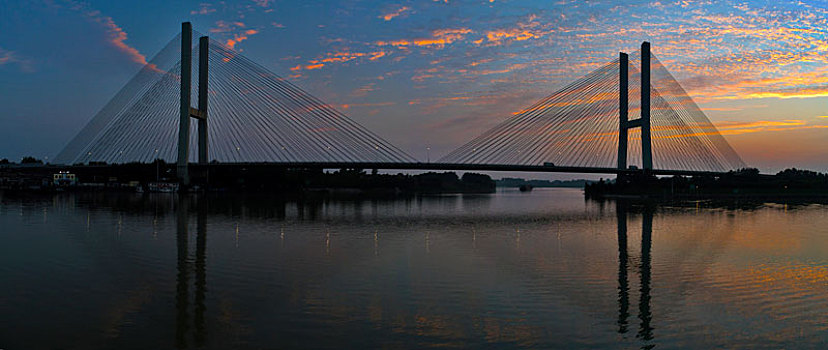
[464, 167]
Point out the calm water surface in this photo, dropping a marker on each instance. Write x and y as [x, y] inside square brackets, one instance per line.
[545, 269]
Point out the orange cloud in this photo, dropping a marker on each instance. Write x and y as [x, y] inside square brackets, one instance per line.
[738, 128]
[439, 38]
[228, 27]
[516, 34]
[237, 38]
[530, 29]
[389, 16]
[341, 57]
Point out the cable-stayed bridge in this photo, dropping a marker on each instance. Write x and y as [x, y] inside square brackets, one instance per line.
[629, 111]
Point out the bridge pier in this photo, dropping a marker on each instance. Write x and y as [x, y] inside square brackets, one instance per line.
[624, 124]
[186, 111]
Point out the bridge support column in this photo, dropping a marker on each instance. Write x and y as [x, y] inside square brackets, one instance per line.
[623, 109]
[184, 120]
[186, 111]
[646, 142]
[203, 54]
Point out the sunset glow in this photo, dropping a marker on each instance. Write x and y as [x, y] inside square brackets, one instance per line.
[435, 74]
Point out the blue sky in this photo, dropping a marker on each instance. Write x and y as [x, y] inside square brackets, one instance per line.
[433, 74]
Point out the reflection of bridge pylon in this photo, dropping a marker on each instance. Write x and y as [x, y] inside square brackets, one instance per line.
[183, 279]
[645, 330]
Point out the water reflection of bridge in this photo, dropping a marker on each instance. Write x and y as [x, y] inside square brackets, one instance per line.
[184, 266]
[192, 272]
[645, 330]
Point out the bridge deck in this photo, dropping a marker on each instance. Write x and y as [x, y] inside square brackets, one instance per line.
[471, 167]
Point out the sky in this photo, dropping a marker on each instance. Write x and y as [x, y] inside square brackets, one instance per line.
[430, 75]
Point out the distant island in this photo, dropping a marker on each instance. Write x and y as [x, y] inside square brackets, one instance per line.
[518, 182]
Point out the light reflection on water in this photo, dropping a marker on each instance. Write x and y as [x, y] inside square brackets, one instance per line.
[541, 269]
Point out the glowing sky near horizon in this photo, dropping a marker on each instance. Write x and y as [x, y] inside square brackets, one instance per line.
[433, 74]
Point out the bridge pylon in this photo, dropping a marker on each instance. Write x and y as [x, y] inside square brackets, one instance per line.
[624, 124]
[186, 111]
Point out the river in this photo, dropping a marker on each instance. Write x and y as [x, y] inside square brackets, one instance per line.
[543, 269]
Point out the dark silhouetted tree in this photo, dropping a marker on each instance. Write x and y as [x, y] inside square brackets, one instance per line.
[30, 160]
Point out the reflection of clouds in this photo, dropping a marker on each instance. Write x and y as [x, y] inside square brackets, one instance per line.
[745, 276]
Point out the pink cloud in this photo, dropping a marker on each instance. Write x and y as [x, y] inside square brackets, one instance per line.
[9, 57]
[203, 9]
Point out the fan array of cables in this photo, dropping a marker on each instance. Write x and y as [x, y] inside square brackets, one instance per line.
[254, 116]
[578, 125]
[257, 116]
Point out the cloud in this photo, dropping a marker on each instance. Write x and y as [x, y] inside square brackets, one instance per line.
[736, 128]
[747, 51]
[340, 57]
[515, 33]
[9, 57]
[439, 38]
[312, 66]
[529, 29]
[237, 30]
[224, 26]
[116, 35]
[237, 38]
[262, 3]
[372, 104]
[203, 9]
[362, 91]
[346, 56]
[749, 127]
[390, 15]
